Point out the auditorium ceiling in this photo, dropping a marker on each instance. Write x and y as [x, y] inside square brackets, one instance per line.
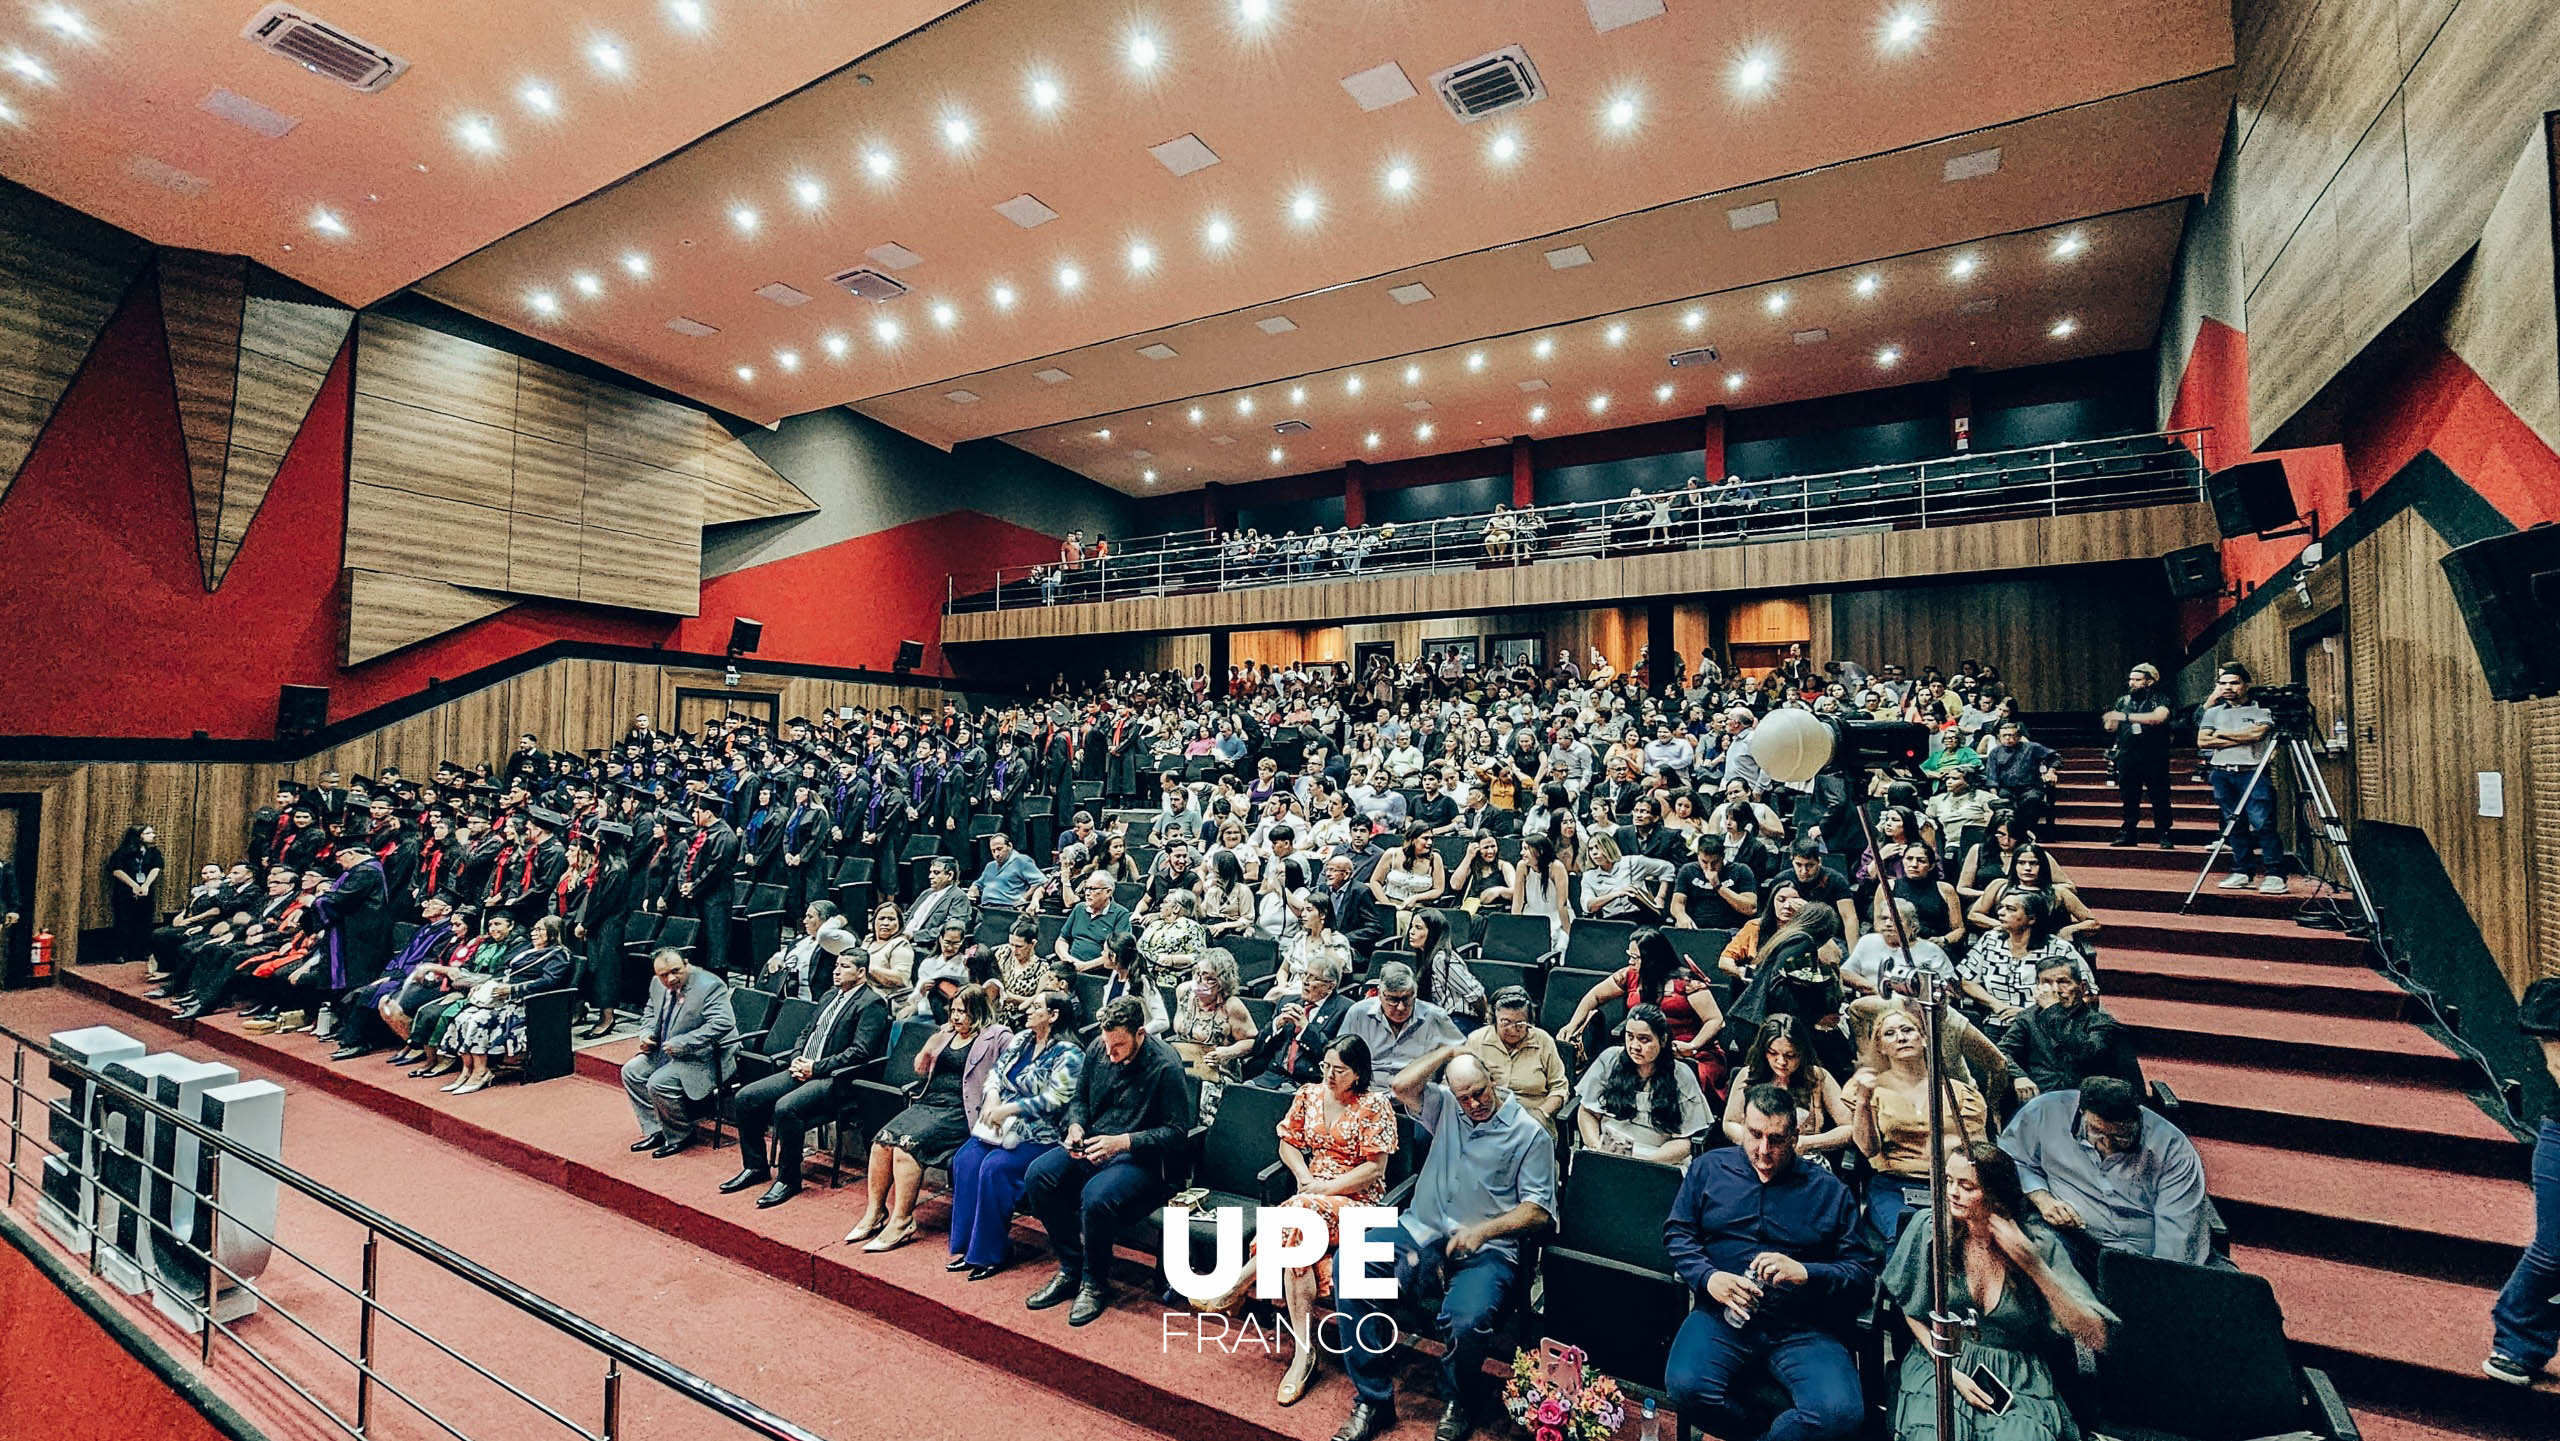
[1104, 216]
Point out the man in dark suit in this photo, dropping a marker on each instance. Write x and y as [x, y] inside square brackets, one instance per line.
[356, 913]
[1290, 1051]
[1351, 905]
[706, 878]
[851, 1030]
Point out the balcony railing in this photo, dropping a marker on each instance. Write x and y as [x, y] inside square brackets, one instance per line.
[344, 1349]
[2155, 469]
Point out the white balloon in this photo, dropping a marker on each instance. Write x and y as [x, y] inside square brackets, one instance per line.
[1791, 746]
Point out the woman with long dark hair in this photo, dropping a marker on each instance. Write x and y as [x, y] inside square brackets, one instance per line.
[1782, 1056]
[1445, 980]
[1656, 976]
[133, 879]
[1637, 1099]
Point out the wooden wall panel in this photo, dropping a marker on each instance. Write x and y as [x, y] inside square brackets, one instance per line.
[434, 452]
[543, 555]
[2335, 76]
[403, 533]
[201, 297]
[1769, 620]
[55, 298]
[417, 366]
[2475, 94]
[737, 485]
[2062, 640]
[386, 612]
[2505, 318]
[2542, 813]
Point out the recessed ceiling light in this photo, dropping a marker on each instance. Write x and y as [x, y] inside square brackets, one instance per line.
[476, 134]
[836, 345]
[1537, 413]
[1422, 431]
[1254, 12]
[1217, 233]
[1733, 381]
[747, 373]
[1351, 385]
[687, 13]
[1297, 395]
[744, 218]
[1148, 476]
[1158, 351]
[1890, 356]
[1692, 318]
[1599, 403]
[327, 223]
[1663, 391]
[1143, 52]
[1962, 267]
[1616, 334]
[808, 192]
[1866, 284]
[1621, 112]
[64, 21]
[1069, 277]
[1413, 293]
[1902, 28]
[1244, 405]
[944, 314]
[1568, 257]
[635, 265]
[1196, 415]
[1545, 347]
[1777, 302]
[1275, 325]
[1303, 207]
[787, 359]
[1370, 440]
[1399, 179]
[1141, 256]
[26, 67]
[955, 130]
[1475, 360]
[1278, 455]
[2069, 244]
[1505, 148]
[879, 163]
[605, 53]
[886, 330]
[537, 97]
[1413, 375]
[586, 284]
[1002, 296]
[9, 116]
[1752, 72]
[1103, 434]
[961, 397]
[2064, 328]
[1044, 93]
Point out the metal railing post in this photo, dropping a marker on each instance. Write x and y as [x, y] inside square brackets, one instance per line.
[212, 1249]
[364, 1331]
[612, 1398]
[17, 1094]
[2053, 482]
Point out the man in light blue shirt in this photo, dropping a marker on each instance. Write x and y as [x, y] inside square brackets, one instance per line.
[1491, 1175]
[1009, 877]
[2106, 1171]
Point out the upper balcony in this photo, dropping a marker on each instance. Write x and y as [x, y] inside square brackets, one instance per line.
[2082, 501]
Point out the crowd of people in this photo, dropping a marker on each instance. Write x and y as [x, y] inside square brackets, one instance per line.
[1103, 856]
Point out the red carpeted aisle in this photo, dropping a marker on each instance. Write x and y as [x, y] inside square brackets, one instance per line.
[2382, 1202]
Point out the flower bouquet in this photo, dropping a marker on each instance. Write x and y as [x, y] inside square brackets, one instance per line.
[1554, 1395]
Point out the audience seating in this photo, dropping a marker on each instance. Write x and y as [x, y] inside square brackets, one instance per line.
[1236, 1157]
[1565, 990]
[1496, 974]
[2199, 1355]
[1596, 945]
[1523, 939]
[878, 1095]
[1257, 958]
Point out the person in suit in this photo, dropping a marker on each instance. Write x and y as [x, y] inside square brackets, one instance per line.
[688, 1044]
[942, 903]
[1290, 1051]
[706, 879]
[1350, 905]
[850, 1032]
[356, 913]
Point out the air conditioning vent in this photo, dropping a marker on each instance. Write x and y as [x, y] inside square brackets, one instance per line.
[1489, 85]
[324, 49]
[1703, 355]
[870, 284]
[1291, 427]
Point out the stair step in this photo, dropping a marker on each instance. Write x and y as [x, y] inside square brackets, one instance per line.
[2092, 850]
[2324, 1044]
[2373, 1213]
[2274, 938]
[2400, 1338]
[2233, 981]
[2399, 1122]
[2155, 888]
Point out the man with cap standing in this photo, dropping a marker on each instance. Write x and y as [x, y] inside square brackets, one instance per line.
[2140, 724]
[706, 878]
[356, 913]
[525, 883]
[2527, 1316]
[602, 917]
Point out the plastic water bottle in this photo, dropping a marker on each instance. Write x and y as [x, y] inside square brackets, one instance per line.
[1650, 1428]
[2338, 734]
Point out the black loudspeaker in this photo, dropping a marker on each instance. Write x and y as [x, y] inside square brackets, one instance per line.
[2250, 499]
[745, 635]
[301, 710]
[2509, 589]
[2195, 571]
[910, 655]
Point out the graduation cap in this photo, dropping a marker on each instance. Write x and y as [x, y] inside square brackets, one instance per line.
[614, 831]
[673, 820]
[547, 819]
[798, 720]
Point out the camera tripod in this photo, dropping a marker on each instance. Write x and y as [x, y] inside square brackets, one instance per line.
[2332, 827]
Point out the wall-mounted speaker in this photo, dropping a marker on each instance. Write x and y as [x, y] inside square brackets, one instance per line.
[2509, 589]
[2250, 499]
[910, 656]
[2194, 572]
[745, 635]
[301, 710]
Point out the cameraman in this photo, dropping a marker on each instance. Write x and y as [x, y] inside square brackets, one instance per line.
[2236, 735]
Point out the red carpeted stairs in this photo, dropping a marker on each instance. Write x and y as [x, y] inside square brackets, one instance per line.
[2382, 1202]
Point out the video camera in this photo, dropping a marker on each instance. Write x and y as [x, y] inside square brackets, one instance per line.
[2288, 709]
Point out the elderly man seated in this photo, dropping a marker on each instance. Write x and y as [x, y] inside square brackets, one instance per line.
[2065, 1037]
[1777, 1265]
[2105, 1171]
[1397, 1024]
[1491, 1175]
[688, 1043]
[800, 966]
[1290, 1051]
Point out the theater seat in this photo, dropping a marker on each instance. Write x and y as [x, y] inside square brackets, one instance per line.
[1237, 1162]
[2199, 1355]
[1624, 1316]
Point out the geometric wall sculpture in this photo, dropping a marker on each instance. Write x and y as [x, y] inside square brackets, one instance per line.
[56, 295]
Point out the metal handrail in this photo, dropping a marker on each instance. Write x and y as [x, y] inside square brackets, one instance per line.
[619, 1353]
[2175, 454]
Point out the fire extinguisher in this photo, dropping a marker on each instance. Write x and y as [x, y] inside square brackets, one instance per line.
[41, 958]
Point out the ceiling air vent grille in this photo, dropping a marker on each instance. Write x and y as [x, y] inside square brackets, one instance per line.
[868, 283]
[1703, 355]
[1292, 427]
[1489, 84]
[323, 49]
